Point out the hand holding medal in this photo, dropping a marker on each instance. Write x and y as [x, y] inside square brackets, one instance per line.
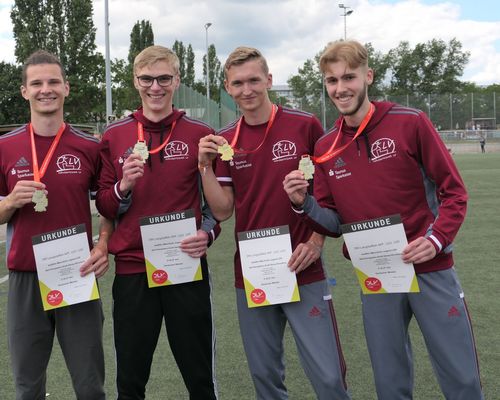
[39, 197]
[40, 200]
[226, 152]
[306, 166]
[141, 149]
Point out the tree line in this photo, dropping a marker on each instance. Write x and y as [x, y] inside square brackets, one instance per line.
[66, 28]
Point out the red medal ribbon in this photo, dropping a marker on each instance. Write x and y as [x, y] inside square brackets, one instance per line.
[140, 137]
[39, 173]
[332, 152]
[268, 128]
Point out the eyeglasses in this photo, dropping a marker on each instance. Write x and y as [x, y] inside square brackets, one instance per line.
[162, 80]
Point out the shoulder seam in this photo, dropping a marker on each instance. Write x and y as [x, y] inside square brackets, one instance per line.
[83, 135]
[196, 121]
[15, 132]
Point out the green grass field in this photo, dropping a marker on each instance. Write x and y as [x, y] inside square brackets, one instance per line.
[476, 255]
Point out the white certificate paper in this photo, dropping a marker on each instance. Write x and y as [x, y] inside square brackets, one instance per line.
[375, 248]
[58, 257]
[264, 255]
[161, 235]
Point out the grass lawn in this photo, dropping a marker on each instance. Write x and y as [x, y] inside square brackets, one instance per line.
[476, 260]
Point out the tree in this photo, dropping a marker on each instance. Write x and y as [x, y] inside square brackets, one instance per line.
[179, 49]
[66, 29]
[141, 37]
[307, 85]
[215, 74]
[13, 108]
[380, 64]
[190, 73]
[125, 97]
[432, 67]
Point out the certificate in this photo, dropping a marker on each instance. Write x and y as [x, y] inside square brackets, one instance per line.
[264, 255]
[375, 248]
[58, 257]
[161, 235]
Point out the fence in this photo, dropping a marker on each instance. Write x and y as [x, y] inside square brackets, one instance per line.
[196, 105]
[468, 111]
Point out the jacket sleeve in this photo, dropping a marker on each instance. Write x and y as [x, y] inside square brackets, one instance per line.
[443, 182]
[318, 211]
[109, 201]
[209, 224]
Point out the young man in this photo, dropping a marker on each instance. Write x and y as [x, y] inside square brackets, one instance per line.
[269, 142]
[134, 186]
[30, 328]
[398, 165]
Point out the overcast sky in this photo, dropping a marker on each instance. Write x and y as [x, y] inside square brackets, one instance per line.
[290, 31]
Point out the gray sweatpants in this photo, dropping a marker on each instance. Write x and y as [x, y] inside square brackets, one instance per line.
[31, 335]
[313, 324]
[442, 316]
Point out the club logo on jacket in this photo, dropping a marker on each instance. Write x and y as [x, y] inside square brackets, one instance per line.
[68, 164]
[284, 150]
[383, 149]
[176, 150]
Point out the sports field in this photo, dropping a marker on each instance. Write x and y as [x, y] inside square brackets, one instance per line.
[477, 261]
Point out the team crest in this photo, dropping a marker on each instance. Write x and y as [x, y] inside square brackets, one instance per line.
[68, 164]
[284, 150]
[176, 150]
[382, 149]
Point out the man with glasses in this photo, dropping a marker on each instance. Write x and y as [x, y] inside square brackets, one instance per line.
[150, 168]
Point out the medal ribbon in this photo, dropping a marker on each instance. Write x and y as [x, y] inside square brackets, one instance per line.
[332, 151]
[268, 128]
[140, 137]
[39, 173]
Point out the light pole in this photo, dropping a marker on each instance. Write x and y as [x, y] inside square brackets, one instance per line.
[207, 25]
[346, 13]
[109, 104]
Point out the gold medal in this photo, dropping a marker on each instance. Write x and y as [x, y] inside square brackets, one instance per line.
[307, 167]
[226, 152]
[141, 149]
[40, 200]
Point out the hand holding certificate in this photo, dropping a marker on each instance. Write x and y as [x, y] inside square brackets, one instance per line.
[166, 263]
[264, 255]
[58, 257]
[375, 248]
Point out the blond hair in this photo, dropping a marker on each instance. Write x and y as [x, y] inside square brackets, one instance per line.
[353, 53]
[241, 55]
[153, 54]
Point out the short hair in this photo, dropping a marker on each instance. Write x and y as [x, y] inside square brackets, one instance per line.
[241, 55]
[353, 53]
[41, 57]
[153, 54]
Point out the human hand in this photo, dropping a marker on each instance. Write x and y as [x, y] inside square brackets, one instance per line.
[97, 261]
[303, 256]
[195, 246]
[418, 251]
[295, 186]
[133, 169]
